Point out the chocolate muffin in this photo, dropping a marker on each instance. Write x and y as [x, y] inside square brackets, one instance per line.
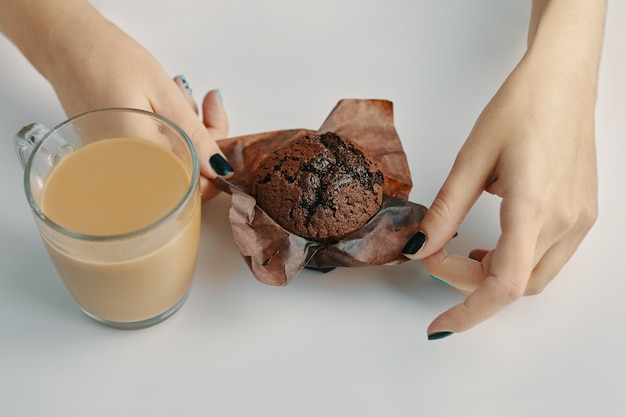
[321, 187]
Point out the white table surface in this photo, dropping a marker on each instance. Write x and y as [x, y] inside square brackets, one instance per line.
[351, 342]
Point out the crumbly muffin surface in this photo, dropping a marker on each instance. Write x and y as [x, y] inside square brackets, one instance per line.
[321, 187]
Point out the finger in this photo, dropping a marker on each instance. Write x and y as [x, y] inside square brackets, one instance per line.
[460, 272]
[487, 300]
[214, 115]
[555, 257]
[548, 267]
[183, 84]
[459, 192]
[508, 272]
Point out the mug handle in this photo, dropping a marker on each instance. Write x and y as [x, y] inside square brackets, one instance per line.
[25, 140]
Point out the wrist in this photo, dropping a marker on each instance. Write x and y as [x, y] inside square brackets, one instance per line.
[565, 43]
[73, 37]
[51, 33]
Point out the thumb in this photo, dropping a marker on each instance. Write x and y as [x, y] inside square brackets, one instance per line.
[455, 198]
[214, 115]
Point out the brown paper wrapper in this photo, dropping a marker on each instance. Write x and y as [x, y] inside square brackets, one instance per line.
[274, 255]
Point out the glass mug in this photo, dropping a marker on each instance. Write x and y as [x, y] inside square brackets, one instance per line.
[126, 280]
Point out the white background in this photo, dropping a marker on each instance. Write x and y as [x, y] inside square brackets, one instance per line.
[351, 342]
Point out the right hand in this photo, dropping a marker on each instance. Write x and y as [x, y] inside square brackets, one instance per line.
[121, 73]
[92, 64]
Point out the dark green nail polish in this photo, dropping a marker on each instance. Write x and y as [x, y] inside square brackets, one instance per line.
[220, 165]
[415, 243]
[440, 280]
[439, 335]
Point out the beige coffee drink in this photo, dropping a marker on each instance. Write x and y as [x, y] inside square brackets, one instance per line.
[113, 187]
[116, 197]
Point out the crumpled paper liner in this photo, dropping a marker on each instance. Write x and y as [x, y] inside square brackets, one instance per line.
[274, 255]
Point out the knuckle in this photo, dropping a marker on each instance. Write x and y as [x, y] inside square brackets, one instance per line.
[566, 219]
[197, 134]
[570, 218]
[534, 288]
[433, 263]
[440, 208]
[562, 216]
[514, 291]
[507, 291]
[589, 216]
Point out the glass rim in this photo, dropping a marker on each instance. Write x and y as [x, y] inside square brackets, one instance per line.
[189, 193]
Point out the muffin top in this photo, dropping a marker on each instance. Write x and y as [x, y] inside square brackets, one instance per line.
[321, 187]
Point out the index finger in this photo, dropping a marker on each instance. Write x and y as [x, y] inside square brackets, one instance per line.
[508, 273]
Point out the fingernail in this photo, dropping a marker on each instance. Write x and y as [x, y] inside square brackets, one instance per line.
[183, 80]
[439, 335]
[440, 280]
[220, 165]
[219, 96]
[415, 243]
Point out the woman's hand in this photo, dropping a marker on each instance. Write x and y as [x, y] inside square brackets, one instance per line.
[92, 64]
[118, 72]
[533, 146]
